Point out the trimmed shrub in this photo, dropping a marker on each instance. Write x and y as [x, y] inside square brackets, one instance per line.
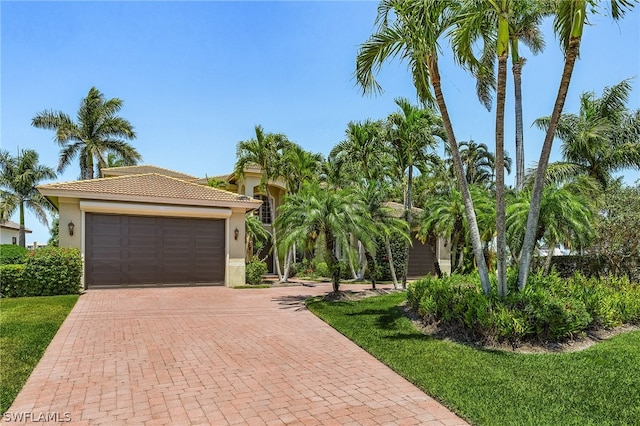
[11, 254]
[53, 271]
[48, 271]
[254, 271]
[12, 281]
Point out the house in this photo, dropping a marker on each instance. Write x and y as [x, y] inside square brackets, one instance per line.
[429, 257]
[9, 232]
[150, 226]
[250, 185]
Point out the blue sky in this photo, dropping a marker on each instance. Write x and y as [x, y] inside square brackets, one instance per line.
[196, 77]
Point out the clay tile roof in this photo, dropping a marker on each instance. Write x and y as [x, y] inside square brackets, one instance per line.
[135, 170]
[149, 185]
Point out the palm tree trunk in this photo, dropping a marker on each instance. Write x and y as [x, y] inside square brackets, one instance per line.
[272, 213]
[547, 264]
[517, 87]
[89, 166]
[392, 268]
[408, 207]
[332, 261]
[536, 195]
[287, 265]
[464, 188]
[21, 232]
[501, 227]
[371, 261]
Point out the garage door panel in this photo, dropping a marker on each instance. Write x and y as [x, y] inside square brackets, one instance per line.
[126, 250]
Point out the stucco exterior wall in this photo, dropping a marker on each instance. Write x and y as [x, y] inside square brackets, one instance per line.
[69, 211]
[7, 235]
[236, 247]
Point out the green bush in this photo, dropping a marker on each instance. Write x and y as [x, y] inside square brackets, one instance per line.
[11, 279]
[399, 255]
[47, 271]
[52, 271]
[11, 254]
[549, 309]
[254, 271]
[321, 270]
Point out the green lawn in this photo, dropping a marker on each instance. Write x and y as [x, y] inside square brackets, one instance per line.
[27, 325]
[597, 386]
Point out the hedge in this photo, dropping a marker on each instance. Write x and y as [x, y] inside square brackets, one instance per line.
[549, 309]
[48, 271]
[11, 254]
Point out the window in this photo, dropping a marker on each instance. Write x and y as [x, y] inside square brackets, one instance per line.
[264, 213]
[14, 240]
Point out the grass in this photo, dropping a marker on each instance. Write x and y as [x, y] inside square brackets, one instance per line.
[597, 386]
[27, 325]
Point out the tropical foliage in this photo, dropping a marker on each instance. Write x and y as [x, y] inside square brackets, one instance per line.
[98, 132]
[19, 177]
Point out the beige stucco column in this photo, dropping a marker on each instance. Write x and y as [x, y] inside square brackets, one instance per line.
[236, 249]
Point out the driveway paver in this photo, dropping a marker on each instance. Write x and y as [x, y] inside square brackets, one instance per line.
[214, 355]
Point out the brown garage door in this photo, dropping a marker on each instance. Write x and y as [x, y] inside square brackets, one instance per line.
[421, 260]
[126, 250]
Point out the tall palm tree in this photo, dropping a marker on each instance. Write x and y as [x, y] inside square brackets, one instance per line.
[386, 225]
[299, 166]
[363, 154]
[569, 20]
[97, 132]
[478, 20]
[410, 30]
[266, 150]
[412, 131]
[334, 213]
[19, 177]
[603, 138]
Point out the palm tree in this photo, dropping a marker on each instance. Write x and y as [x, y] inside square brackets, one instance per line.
[256, 234]
[479, 20]
[98, 132]
[362, 155]
[297, 168]
[601, 139]
[19, 177]
[300, 166]
[443, 216]
[266, 151]
[410, 30]
[566, 216]
[411, 132]
[386, 225]
[334, 213]
[569, 20]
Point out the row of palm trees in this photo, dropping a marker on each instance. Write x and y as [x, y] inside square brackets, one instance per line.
[341, 200]
[412, 30]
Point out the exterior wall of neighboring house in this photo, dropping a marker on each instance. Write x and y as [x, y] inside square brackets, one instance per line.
[10, 232]
[8, 236]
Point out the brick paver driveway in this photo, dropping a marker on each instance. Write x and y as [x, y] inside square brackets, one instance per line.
[212, 355]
